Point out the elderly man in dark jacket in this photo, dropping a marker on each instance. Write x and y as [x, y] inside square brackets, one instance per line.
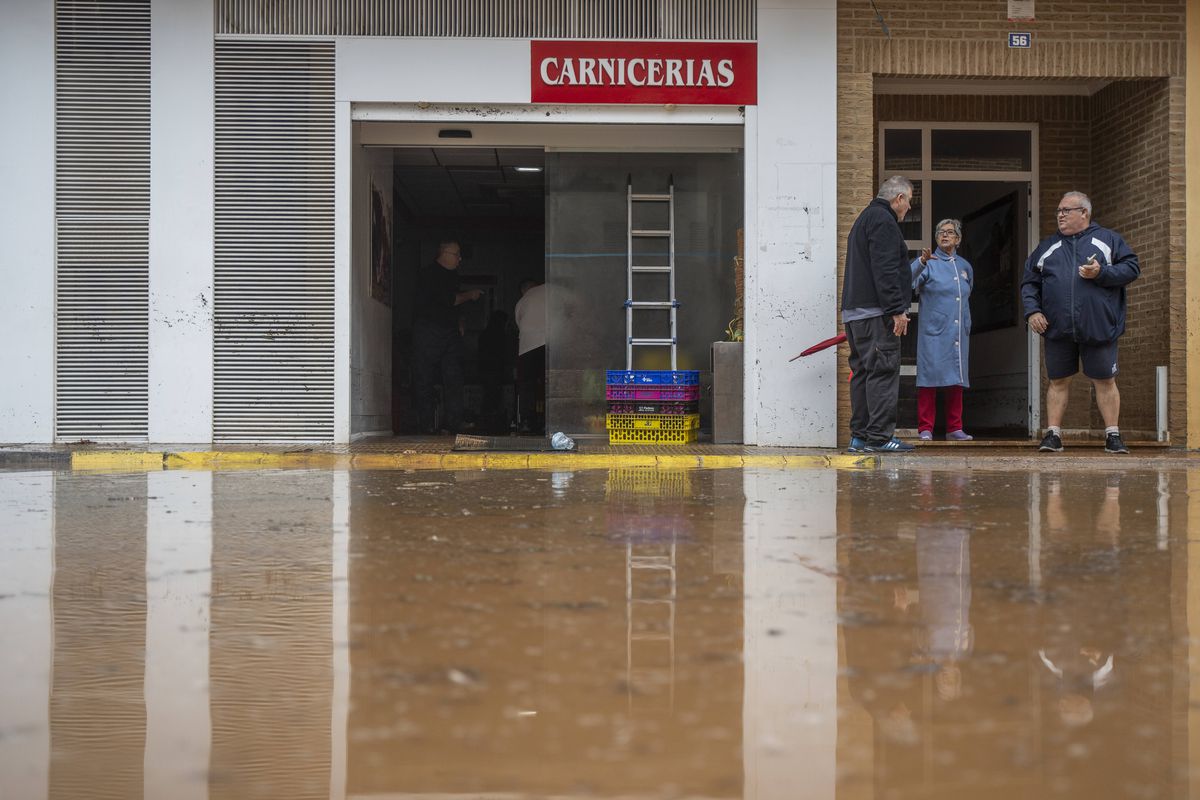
[876, 293]
[1074, 297]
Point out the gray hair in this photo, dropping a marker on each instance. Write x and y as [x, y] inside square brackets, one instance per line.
[956, 224]
[893, 187]
[1081, 199]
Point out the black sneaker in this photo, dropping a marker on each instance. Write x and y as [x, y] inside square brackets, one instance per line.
[1051, 443]
[1113, 444]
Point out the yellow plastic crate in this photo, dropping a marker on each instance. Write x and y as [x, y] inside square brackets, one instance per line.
[664, 422]
[650, 436]
[648, 481]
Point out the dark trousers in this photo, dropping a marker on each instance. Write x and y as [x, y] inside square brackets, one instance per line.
[875, 378]
[437, 357]
[531, 388]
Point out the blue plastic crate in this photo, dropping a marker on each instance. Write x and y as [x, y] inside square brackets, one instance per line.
[655, 377]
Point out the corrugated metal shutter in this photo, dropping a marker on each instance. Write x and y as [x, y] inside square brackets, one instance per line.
[102, 207]
[274, 292]
[534, 19]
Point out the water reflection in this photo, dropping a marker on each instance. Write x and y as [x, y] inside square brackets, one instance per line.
[632, 633]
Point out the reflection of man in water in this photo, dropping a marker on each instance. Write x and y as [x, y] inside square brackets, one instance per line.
[530, 315]
[1082, 616]
[944, 583]
[437, 339]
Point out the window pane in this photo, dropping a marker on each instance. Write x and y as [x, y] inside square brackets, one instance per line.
[912, 221]
[586, 222]
[982, 150]
[901, 151]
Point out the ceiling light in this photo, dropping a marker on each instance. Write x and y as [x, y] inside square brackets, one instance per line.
[528, 169]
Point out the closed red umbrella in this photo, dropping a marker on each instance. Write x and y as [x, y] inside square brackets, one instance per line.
[830, 342]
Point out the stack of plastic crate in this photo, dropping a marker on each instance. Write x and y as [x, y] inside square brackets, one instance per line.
[653, 406]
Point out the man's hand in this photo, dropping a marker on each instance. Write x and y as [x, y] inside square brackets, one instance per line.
[1038, 323]
[900, 324]
[1089, 270]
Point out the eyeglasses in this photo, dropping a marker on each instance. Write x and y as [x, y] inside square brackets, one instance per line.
[948, 232]
[1062, 212]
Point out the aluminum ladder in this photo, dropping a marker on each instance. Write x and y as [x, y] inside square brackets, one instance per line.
[670, 304]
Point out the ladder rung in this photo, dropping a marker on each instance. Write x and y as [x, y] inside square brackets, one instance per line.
[652, 269]
[651, 233]
[651, 198]
[652, 601]
[651, 637]
[652, 303]
[652, 342]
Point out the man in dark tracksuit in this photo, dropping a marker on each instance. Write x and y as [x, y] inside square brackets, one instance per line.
[1074, 297]
[437, 341]
[876, 293]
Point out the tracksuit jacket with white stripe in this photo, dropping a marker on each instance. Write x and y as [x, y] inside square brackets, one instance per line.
[1087, 311]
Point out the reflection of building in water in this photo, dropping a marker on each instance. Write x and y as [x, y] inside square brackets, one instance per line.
[1055, 611]
[491, 658]
[271, 641]
[97, 712]
[646, 507]
[26, 622]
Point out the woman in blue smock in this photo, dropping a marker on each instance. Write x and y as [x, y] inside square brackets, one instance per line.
[943, 282]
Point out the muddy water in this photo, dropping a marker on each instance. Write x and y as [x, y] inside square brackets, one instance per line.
[719, 634]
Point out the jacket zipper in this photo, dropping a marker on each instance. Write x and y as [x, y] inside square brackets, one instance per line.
[1075, 274]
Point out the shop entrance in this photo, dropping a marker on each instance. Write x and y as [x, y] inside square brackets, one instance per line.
[986, 177]
[528, 205]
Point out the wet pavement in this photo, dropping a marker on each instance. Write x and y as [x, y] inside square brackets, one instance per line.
[627, 633]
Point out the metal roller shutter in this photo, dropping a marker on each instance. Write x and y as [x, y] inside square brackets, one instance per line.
[537, 19]
[274, 272]
[102, 207]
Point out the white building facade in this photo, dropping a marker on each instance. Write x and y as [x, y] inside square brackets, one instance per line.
[180, 178]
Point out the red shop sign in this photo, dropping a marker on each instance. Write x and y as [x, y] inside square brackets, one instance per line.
[684, 73]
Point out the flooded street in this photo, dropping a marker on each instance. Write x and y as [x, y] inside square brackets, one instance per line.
[629, 633]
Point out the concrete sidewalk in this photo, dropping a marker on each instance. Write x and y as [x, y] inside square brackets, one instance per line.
[435, 453]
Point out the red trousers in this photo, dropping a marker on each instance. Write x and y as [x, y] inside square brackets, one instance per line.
[927, 407]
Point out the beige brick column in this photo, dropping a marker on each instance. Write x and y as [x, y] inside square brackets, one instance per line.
[856, 157]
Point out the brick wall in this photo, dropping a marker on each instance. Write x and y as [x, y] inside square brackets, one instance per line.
[1130, 171]
[960, 38]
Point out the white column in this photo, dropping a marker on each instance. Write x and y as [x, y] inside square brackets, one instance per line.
[26, 631]
[789, 708]
[27, 221]
[792, 259]
[343, 225]
[181, 221]
[179, 539]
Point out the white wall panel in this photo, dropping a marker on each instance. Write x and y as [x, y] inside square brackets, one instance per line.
[27, 221]
[791, 299]
[433, 70]
[181, 221]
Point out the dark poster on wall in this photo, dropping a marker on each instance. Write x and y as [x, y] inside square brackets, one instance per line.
[381, 247]
[989, 243]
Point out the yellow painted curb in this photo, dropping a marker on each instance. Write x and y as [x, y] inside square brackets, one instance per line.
[116, 460]
[246, 459]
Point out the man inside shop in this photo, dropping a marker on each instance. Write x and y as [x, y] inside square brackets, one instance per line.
[438, 341]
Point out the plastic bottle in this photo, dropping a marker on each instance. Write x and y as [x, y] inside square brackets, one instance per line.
[560, 441]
